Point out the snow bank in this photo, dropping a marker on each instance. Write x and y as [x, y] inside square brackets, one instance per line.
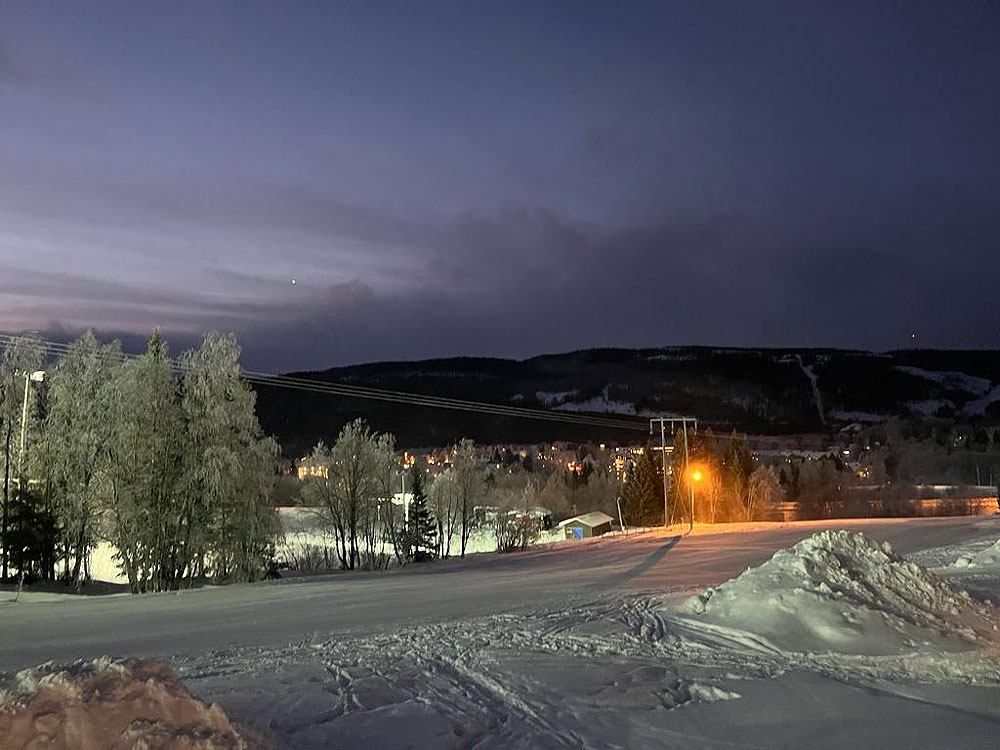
[842, 592]
[979, 559]
[104, 703]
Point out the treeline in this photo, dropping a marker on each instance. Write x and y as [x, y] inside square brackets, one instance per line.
[359, 498]
[165, 460]
[929, 451]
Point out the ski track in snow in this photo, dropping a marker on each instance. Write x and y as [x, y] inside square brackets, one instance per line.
[535, 678]
[810, 373]
[589, 664]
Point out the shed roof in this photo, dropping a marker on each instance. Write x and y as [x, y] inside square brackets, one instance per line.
[595, 518]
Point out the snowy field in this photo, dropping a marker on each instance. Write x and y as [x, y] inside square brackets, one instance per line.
[650, 641]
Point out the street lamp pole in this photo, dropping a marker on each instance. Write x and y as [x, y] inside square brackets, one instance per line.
[687, 464]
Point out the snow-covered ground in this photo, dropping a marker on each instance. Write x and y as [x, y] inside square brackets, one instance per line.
[837, 642]
[980, 405]
[950, 379]
[857, 416]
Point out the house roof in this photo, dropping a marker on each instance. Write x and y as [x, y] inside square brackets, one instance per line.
[595, 518]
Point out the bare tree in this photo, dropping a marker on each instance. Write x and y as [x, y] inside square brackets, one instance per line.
[445, 504]
[763, 491]
[348, 498]
[469, 483]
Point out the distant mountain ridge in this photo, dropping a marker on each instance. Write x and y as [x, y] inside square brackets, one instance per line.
[754, 390]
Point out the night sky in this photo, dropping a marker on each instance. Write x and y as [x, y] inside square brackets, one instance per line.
[502, 179]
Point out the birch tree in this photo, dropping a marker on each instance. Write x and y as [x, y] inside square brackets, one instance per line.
[445, 506]
[349, 496]
[144, 468]
[224, 510]
[77, 429]
[469, 484]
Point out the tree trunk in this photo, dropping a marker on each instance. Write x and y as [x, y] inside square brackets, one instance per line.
[6, 501]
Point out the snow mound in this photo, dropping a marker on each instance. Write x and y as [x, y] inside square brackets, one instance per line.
[104, 703]
[982, 558]
[842, 592]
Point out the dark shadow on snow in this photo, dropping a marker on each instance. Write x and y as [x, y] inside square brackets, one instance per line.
[635, 571]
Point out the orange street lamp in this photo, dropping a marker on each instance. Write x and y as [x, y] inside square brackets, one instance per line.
[696, 476]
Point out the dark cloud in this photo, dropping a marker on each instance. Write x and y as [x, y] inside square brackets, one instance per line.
[492, 181]
[529, 282]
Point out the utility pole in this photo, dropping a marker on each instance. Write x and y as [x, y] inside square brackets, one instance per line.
[663, 456]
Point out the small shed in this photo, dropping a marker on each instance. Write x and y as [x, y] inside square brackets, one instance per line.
[586, 526]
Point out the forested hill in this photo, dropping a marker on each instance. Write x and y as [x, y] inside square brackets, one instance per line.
[754, 390]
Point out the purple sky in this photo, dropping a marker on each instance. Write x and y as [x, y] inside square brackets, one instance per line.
[502, 179]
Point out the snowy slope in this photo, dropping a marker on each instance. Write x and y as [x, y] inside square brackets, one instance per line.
[841, 591]
[584, 645]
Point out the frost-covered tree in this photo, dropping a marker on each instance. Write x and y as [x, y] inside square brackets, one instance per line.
[176, 474]
[445, 504]
[351, 493]
[145, 461]
[77, 429]
[514, 526]
[225, 517]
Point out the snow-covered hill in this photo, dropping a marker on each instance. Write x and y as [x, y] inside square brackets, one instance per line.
[768, 390]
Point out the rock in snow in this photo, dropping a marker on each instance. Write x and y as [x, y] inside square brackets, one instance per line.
[125, 705]
[838, 591]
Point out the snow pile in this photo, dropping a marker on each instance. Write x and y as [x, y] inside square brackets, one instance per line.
[979, 559]
[103, 703]
[842, 592]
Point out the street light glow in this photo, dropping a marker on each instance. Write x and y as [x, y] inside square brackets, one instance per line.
[696, 476]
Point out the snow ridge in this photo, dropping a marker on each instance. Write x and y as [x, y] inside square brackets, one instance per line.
[842, 592]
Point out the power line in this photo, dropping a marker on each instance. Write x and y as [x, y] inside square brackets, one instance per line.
[378, 394]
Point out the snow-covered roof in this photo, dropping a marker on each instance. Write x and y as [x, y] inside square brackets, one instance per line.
[595, 518]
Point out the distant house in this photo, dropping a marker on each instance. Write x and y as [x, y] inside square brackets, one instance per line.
[586, 526]
[305, 468]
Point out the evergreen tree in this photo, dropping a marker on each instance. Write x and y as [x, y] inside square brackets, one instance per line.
[643, 493]
[421, 528]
